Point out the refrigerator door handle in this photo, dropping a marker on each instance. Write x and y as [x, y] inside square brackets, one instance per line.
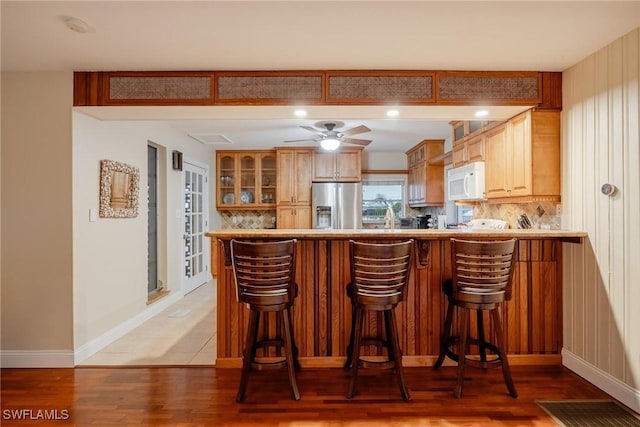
[337, 199]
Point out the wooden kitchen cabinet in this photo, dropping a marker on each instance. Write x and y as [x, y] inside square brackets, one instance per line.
[425, 180]
[293, 217]
[468, 150]
[522, 158]
[463, 129]
[496, 170]
[293, 190]
[246, 179]
[344, 165]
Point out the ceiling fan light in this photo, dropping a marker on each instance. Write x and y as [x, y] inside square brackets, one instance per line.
[330, 144]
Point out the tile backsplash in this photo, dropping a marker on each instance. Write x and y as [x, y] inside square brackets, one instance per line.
[541, 215]
[248, 219]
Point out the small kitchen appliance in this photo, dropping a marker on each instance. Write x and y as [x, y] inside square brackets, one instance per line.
[466, 182]
[425, 221]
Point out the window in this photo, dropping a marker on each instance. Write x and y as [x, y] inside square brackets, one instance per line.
[381, 191]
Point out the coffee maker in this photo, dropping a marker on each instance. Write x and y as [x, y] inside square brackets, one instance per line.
[425, 221]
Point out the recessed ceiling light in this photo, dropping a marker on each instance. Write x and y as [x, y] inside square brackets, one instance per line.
[77, 25]
[393, 113]
[300, 113]
[482, 113]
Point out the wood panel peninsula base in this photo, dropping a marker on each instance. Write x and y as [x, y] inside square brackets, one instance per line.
[322, 312]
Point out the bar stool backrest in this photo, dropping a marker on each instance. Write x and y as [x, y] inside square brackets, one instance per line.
[264, 273]
[380, 272]
[482, 270]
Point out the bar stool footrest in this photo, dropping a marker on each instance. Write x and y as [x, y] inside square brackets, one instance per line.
[474, 359]
[276, 364]
[377, 364]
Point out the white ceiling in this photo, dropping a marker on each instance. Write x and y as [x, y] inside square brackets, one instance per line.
[307, 35]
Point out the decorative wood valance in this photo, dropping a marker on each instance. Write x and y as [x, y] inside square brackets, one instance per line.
[530, 88]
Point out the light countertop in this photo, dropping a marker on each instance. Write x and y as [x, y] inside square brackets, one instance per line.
[428, 234]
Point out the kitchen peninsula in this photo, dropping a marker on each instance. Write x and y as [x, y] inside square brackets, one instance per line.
[322, 312]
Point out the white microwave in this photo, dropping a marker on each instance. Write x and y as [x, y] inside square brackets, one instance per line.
[466, 182]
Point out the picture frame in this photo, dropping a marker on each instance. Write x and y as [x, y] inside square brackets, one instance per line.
[119, 188]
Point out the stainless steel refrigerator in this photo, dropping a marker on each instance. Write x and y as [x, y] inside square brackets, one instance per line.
[337, 205]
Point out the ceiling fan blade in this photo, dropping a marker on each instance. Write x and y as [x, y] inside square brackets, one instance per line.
[301, 140]
[357, 141]
[356, 130]
[314, 130]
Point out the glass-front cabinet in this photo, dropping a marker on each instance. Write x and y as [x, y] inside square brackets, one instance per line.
[246, 179]
[226, 194]
[268, 178]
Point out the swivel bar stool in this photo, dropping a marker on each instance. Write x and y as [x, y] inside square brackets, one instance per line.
[481, 281]
[265, 280]
[379, 276]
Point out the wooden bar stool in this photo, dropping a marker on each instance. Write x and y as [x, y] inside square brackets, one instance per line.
[265, 280]
[379, 276]
[482, 280]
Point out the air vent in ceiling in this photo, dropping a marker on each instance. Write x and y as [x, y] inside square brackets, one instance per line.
[211, 138]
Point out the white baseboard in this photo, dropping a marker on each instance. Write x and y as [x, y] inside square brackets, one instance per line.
[610, 385]
[69, 358]
[97, 344]
[36, 359]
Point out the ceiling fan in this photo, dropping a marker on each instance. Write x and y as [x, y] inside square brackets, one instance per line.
[330, 139]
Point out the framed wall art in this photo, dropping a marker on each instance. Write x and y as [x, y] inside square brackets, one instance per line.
[119, 188]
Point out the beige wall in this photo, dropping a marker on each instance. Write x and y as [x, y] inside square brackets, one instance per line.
[384, 160]
[110, 255]
[602, 287]
[37, 212]
[66, 281]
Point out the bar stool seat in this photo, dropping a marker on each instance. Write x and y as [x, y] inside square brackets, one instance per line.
[482, 280]
[264, 275]
[379, 276]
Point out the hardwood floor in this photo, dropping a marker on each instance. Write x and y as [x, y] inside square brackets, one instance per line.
[205, 396]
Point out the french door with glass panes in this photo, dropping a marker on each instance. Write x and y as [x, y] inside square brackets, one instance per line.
[196, 214]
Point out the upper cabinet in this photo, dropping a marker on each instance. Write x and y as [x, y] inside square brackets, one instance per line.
[468, 150]
[246, 179]
[293, 193]
[523, 158]
[465, 128]
[469, 141]
[426, 180]
[344, 165]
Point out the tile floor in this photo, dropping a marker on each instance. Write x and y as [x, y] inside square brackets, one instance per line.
[183, 334]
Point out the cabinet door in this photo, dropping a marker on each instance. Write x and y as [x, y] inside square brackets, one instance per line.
[459, 154]
[349, 166]
[268, 179]
[226, 195]
[344, 166]
[496, 167]
[302, 175]
[286, 179]
[324, 168]
[247, 178]
[520, 175]
[284, 217]
[418, 184]
[293, 217]
[475, 149]
[302, 216]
